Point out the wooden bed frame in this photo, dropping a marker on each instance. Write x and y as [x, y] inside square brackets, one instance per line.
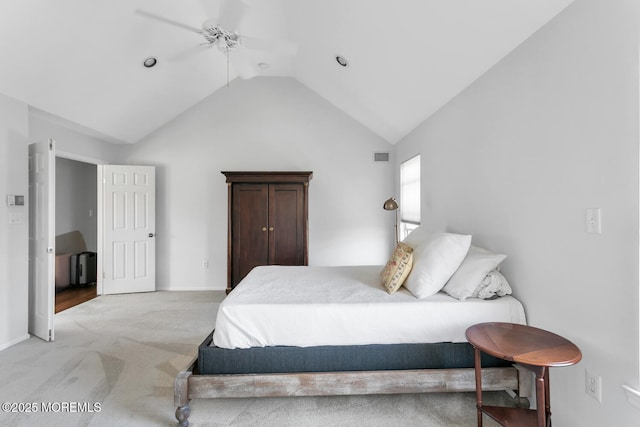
[189, 384]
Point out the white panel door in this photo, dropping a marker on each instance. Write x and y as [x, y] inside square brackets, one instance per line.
[42, 239]
[129, 222]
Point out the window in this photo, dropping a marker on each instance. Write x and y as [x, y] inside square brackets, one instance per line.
[409, 195]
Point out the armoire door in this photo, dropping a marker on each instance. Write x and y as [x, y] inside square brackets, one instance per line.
[286, 224]
[250, 219]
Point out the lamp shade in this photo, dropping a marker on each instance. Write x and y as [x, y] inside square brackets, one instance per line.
[390, 204]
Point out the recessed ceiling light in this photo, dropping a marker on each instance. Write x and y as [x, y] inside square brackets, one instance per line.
[263, 65]
[150, 62]
[342, 60]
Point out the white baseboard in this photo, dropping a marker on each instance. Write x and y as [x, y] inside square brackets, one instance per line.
[633, 395]
[13, 342]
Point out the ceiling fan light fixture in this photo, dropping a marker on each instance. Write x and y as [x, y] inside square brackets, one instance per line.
[342, 60]
[150, 62]
[222, 38]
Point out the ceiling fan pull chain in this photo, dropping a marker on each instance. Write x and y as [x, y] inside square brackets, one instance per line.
[227, 66]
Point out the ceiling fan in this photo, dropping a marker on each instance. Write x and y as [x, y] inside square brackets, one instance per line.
[222, 33]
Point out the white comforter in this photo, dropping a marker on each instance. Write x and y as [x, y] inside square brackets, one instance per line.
[311, 306]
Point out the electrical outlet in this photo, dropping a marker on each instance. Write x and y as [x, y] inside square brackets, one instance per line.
[593, 221]
[15, 218]
[593, 385]
[205, 264]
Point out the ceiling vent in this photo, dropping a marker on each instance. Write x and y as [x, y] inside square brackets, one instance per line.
[380, 157]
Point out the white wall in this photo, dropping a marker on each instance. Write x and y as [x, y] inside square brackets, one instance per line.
[14, 238]
[76, 195]
[72, 141]
[517, 158]
[264, 124]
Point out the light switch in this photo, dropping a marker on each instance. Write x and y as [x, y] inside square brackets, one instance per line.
[15, 200]
[593, 221]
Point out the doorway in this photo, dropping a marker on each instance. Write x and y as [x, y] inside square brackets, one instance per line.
[76, 204]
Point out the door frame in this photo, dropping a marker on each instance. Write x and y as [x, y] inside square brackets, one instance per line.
[100, 240]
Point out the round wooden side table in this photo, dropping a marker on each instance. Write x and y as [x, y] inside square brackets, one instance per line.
[533, 348]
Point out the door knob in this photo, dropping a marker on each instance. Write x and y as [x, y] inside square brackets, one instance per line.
[150, 234]
[270, 228]
[264, 228]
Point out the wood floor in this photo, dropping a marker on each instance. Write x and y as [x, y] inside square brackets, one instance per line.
[73, 296]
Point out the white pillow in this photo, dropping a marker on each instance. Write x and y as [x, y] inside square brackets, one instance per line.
[475, 267]
[434, 262]
[418, 236]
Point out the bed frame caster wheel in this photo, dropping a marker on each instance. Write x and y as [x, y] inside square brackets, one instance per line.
[182, 415]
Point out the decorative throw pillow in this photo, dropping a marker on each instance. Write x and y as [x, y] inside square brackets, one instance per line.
[398, 267]
[475, 267]
[434, 262]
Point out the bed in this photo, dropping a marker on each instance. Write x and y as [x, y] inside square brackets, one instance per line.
[313, 331]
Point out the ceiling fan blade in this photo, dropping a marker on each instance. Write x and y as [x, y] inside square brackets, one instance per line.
[231, 14]
[168, 21]
[271, 45]
[243, 65]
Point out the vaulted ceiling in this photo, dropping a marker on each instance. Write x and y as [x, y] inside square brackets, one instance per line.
[81, 60]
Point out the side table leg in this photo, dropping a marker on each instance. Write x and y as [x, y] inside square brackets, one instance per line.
[478, 372]
[541, 394]
[547, 397]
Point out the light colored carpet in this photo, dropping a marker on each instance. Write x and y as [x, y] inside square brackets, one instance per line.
[122, 352]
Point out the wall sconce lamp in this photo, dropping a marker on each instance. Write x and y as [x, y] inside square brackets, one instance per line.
[391, 205]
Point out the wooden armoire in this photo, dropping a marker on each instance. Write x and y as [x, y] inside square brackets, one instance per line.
[268, 221]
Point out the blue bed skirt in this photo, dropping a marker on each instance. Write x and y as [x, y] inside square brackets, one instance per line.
[375, 357]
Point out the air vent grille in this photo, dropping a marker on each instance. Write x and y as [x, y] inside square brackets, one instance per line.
[380, 157]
